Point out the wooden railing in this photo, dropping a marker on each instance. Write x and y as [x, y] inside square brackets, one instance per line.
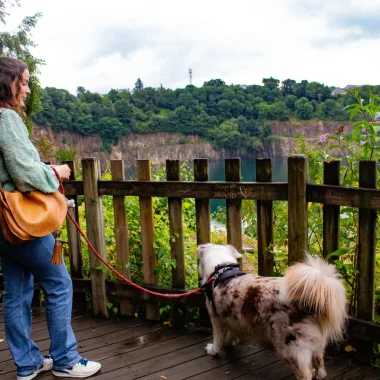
[297, 191]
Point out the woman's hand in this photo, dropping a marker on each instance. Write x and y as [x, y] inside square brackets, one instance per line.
[63, 170]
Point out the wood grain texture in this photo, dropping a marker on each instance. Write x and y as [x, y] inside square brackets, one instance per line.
[95, 234]
[121, 234]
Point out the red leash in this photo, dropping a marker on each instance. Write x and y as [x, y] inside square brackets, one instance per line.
[166, 295]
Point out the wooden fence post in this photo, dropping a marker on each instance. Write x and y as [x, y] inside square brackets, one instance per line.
[367, 245]
[202, 217]
[121, 234]
[366, 260]
[74, 243]
[233, 207]
[173, 173]
[331, 176]
[147, 237]
[95, 233]
[265, 221]
[202, 205]
[297, 208]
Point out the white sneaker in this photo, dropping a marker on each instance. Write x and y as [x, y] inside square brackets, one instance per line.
[46, 365]
[83, 368]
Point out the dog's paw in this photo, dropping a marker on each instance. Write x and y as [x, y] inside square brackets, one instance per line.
[211, 350]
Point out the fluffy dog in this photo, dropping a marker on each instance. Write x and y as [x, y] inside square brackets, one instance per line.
[299, 313]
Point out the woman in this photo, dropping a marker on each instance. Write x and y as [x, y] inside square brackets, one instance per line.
[21, 168]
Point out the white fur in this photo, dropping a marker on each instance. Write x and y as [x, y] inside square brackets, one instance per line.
[299, 313]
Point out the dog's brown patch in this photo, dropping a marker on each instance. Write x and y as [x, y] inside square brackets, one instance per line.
[251, 300]
[229, 310]
[236, 293]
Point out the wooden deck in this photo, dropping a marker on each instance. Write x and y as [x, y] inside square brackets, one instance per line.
[136, 349]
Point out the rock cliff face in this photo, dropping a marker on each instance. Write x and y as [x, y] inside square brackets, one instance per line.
[162, 146]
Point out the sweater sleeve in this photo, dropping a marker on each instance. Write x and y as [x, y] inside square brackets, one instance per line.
[21, 157]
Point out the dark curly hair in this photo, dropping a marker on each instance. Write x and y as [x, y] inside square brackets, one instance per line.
[10, 70]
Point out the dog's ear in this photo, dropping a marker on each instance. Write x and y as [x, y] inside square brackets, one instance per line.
[235, 252]
[200, 250]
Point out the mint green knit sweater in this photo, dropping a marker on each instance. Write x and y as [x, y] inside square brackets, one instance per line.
[20, 165]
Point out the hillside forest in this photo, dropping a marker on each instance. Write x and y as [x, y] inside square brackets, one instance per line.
[229, 116]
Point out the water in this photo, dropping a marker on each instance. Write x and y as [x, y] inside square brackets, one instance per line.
[248, 171]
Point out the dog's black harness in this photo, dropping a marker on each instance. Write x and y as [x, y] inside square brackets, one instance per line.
[222, 273]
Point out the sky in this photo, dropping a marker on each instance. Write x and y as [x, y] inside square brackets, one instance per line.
[102, 45]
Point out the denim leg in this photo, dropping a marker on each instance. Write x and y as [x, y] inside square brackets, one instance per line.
[57, 285]
[18, 295]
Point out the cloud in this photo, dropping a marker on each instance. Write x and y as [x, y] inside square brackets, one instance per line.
[103, 45]
[342, 21]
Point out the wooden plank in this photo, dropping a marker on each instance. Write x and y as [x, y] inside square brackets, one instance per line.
[124, 337]
[297, 208]
[73, 188]
[203, 363]
[95, 234]
[344, 196]
[73, 177]
[142, 362]
[121, 234]
[367, 246]
[233, 207]
[331, 176]
[197, 189]
[276, 371]
[203, 226]
[265, 221]
[173, 173]
[365, 330]
[75, 252]
[259, 358]
[332, 195]
[202, 205]
[147, 238]
[176, 227]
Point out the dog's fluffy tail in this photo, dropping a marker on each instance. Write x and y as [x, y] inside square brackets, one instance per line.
[315, 286]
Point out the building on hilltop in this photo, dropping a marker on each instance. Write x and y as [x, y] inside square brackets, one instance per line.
[343, 91]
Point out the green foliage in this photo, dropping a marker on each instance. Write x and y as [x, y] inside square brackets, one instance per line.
[139, 85]
[193, 110]
[303, 108]
[17, 44]
[65, 155]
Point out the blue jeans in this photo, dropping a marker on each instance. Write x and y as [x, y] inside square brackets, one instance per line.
[22, 265]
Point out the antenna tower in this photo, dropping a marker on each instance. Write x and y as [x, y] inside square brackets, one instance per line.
[191, 75]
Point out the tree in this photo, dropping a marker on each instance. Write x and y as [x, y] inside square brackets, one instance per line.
[214, 83]
[317, 91]
[63, 119]
[288, 86]
[290, 102]
[139, 85]
[304, 110]
[16, 44]
[329, 108]
[110, 129]
[124, 113]
[271, 83]
[80, 91]
[278, 111]
[300, 89]
[113, 95]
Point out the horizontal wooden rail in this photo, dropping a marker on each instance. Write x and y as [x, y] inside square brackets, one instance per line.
[344, 196]
[330, 195]
[192, 189]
